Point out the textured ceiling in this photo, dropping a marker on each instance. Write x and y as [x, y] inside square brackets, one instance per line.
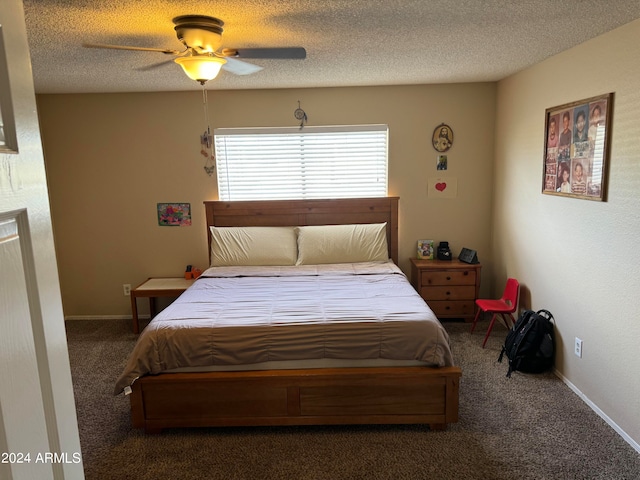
[348, 42]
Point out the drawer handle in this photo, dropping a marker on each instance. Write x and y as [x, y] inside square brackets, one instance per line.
[466, 272]
[448, 278]
[448, 293]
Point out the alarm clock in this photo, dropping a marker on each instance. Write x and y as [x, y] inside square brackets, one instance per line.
[468, 255]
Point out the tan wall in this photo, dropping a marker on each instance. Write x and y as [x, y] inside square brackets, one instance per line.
[112, 157]
[576, 257]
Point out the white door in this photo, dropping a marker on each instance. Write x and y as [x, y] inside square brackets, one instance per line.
[38, 425]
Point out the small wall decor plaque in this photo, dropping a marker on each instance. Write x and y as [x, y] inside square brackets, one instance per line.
[442, 138]
[174, 214]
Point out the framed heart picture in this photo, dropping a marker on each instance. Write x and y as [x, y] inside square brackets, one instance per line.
[442, 187]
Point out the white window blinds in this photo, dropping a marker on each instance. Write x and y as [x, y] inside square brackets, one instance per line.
[290, 163]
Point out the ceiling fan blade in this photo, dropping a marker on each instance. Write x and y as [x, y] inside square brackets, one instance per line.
[238, 67]
[122, 47]
[153, 66]
[283, 53]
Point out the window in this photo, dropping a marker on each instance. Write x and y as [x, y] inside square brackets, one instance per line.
[290, 163]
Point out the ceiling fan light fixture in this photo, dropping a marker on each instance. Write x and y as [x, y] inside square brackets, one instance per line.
[201, 68]
[202, 39]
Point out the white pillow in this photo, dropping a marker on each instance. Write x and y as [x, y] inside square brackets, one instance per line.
[232, 246]
[342, 243]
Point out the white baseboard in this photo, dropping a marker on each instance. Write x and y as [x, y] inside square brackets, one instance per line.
[104, 317]
[600, 413]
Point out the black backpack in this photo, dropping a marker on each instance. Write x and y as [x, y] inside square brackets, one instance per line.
[530, 345]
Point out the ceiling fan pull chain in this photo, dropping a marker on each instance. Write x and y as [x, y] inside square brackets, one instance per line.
[206, 139]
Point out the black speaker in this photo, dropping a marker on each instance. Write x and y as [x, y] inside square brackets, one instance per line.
[468, 256]
[443, 252]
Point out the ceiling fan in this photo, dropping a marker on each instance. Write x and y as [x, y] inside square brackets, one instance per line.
[203, 56]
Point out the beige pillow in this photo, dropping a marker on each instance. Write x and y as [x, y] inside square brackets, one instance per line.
[232, 246]
[342, 243]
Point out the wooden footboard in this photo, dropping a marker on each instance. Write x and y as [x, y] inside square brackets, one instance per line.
[393, 395]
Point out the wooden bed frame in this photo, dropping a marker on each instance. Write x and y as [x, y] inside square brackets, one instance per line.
[335, 396]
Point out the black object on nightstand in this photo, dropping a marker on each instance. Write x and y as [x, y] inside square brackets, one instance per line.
[444, 252]
[468, 256]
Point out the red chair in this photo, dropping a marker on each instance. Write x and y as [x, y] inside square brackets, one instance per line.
[505, 306]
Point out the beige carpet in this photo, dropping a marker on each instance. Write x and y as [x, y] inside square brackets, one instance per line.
[525, 427]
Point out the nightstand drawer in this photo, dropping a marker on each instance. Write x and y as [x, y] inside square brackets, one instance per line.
[449, 277]
[448, 293]
[460, 308]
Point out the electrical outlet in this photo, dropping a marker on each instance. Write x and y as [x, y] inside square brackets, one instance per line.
[578, 348]
[126, 288]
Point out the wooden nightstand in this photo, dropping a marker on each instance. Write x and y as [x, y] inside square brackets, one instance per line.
[154, 288]
[450, 288]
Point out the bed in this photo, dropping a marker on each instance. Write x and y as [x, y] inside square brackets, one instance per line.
[294, 366]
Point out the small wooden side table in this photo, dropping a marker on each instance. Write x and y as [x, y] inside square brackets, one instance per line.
[450, 287]
[154, 288]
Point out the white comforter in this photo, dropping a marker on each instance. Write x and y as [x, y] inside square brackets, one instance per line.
[247, 315]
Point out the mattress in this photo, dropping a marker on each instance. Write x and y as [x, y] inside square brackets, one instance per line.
[240, 317]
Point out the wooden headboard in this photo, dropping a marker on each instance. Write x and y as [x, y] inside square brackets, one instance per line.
[307, 212]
